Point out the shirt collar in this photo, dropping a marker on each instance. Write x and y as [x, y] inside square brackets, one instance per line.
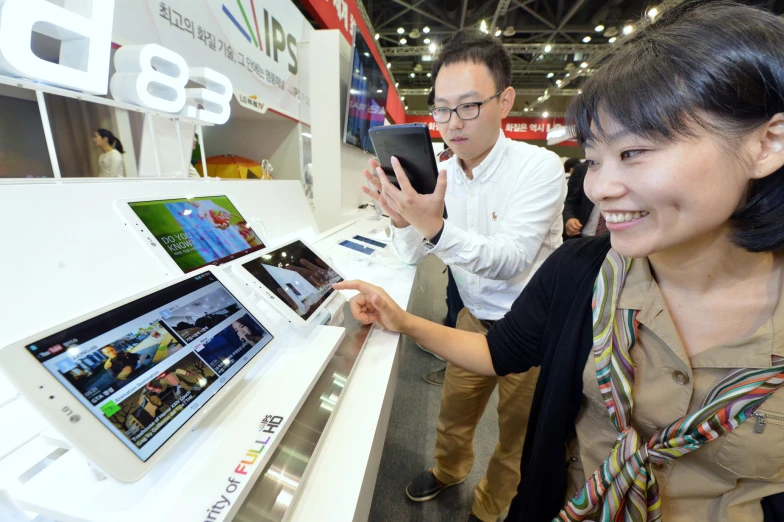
[640, 292]
[489, 166]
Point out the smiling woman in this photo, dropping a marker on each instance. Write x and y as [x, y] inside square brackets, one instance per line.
[662, 365]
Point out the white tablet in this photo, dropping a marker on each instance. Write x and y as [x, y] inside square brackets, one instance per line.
[186, 234]
[292, 277]
[124, 383]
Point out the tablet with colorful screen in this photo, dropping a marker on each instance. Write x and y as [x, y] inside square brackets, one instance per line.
[125, 382]
[186, 234]
[293, 278]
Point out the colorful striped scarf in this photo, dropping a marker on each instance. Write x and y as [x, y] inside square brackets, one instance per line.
[624, 488]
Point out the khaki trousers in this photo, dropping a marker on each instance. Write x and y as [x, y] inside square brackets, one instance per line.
[463, 402]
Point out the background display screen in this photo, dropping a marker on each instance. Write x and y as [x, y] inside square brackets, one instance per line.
[368, 90]
[145, 368]
[198, 231]
[297, 275]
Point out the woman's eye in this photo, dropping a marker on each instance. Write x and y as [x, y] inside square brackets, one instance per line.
[631, 153]
[591, 163]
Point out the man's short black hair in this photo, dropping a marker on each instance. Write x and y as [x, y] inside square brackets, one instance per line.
[472, 45]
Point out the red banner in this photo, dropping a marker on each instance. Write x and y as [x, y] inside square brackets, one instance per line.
[345, 15]
[515, 128]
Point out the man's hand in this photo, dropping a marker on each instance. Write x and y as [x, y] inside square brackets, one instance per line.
[373, 305]
[573, 227]
[425, 212]
[375, 193]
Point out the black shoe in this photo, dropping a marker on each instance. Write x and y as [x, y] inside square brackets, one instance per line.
[435, 378]
[425, 487]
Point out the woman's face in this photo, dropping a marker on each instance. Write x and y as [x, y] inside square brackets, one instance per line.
[98, 140]
[658, 196]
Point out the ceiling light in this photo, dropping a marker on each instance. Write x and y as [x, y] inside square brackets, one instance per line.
[400, 30]
[396, 85]
[652, 12]
[627, 29]
[483, 26]
[550, 75]
[378, 36]
[406, 107]
[586, 39]
[509, 31]
[526, 109]
[389, 65]
[548, 48]
[367, 54]
[584, 65]
[418, 67]
[432, 48]
[579, 91]
[612, 40]
[558, 83]
[379, 91]
[498, 32]
[412, 75]
[567, 75]
[364, 77]
[414, 34]
[402, 97]
[539, 98]
[545, 114]
[426, 41]
[403, 41]
[427, 57]
[426, 30]
[429, 75]
[599, 28]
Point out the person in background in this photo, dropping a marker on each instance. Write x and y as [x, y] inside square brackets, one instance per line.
[661, 392]
[504, 200]
[569, 165]
[581, 217]
[110, 161]
[192, 172]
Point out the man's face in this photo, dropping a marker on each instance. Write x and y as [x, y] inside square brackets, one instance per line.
[109, 352]
[467, 82]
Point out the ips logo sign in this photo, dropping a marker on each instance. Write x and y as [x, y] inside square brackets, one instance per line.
[264, 30]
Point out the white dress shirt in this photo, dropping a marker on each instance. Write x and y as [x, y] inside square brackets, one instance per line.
[502, 224]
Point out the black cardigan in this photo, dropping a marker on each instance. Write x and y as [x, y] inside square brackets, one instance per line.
[550, 326]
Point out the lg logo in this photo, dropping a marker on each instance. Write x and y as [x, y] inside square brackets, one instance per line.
[73, 417]
[147, 75]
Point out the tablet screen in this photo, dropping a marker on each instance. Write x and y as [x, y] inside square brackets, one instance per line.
[198, 231]
[297, 275]
[147, 367]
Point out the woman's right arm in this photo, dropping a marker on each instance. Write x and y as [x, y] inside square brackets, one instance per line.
[465, 349]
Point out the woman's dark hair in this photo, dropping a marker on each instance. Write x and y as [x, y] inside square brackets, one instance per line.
[472, 45]
[718, 65]
[113, 141]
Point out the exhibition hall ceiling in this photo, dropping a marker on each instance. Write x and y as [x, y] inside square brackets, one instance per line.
[555, 44]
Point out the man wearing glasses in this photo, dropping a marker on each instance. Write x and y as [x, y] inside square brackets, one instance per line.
[504, 202]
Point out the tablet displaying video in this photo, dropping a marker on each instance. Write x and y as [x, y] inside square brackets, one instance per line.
[295, 276]
[197, 231]
[145, 368]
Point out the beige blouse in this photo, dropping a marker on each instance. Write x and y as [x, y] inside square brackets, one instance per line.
[724, 480]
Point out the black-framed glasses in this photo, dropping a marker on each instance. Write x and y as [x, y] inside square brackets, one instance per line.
[465, 111]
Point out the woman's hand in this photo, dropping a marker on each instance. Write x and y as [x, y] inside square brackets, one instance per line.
[373, 305]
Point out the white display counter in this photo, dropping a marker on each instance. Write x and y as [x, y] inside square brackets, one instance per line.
[91, 261]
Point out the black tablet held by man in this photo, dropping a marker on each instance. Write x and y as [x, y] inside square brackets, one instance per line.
[410, 144]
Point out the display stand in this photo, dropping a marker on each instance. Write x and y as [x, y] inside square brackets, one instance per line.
[26, 426]
[207, 476]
